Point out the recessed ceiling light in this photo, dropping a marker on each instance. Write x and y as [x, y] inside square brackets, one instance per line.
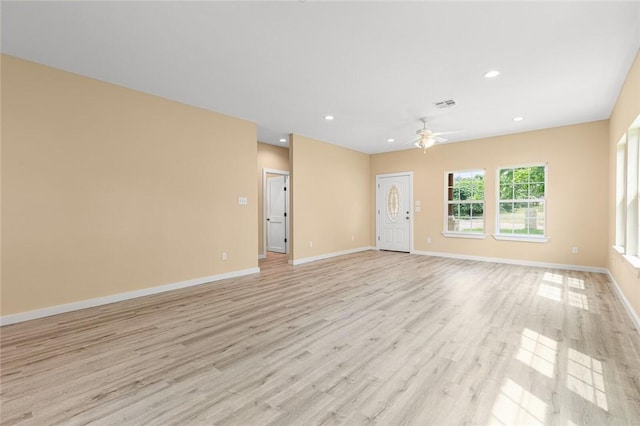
[328, 117]
[283, 140]
[491, 74]
[390, 140]
[518, 118]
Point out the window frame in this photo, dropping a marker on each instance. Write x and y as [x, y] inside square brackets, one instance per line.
[459, 234]
[627, 208]
[522, 237]
[621, 193]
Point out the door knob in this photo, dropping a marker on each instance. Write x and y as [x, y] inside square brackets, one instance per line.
[268, 219]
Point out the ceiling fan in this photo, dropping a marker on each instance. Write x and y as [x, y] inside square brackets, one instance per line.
[426, 138]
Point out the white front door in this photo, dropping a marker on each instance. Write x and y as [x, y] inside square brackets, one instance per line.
[276, 208]
[393, 212]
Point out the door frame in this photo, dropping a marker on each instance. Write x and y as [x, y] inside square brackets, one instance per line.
[265, 200]
[411, 206]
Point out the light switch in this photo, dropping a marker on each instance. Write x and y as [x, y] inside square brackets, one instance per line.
[418, 209]
[417, 203]
[242, 201]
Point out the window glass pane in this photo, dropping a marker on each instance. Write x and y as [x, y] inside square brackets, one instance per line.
[521, 175]
[536, 190]
[506, 176]
[453, 220]
[477, 225]
[521, 191]
[518, 221]
[536, 174]
[475, 190]
[456, 193]
[464, 186]
[506, 192]
[477, 209]
[539, 220]
[531, 219]
[505, 220]
[476, 222]
[506, 208]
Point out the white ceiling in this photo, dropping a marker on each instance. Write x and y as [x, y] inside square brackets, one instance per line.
[377, 67]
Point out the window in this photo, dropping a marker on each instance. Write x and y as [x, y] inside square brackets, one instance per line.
[464, 214]
[627, 203]
[521, 203]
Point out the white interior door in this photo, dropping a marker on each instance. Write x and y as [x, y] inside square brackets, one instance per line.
[393, 211]
[276, 211]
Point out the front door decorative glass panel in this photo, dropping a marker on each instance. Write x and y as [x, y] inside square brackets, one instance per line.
[393, 203]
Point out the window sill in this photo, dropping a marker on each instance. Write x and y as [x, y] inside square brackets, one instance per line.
[521, 238]
[475, 236]
[633, 260]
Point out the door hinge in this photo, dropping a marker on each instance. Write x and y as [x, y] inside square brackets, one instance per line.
[378, 211]
[378, 185]
[285, 214]
[285, 188]
[378, 237]
[285, 240]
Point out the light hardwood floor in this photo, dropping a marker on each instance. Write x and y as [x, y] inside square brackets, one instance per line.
[371, 338]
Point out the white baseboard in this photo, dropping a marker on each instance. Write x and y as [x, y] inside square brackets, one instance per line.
[514, 261]
[262, 256]
[328, 255]
[627, 305]
[90, 303]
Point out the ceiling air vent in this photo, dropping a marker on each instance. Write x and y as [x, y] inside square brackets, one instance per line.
[445, 104]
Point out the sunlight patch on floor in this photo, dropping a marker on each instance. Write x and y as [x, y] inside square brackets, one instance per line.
[586, 378]
[575, 283]
[578, 300]
[552, 278]
[538, 352]
[516, 406]
[550, 292]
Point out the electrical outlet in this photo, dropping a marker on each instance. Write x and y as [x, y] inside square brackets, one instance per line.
[428, 240]
[224, 255]
[574, 250]
[242, 201]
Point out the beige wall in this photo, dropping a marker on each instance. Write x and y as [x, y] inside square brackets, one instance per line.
[107, 190]
[330, 198]
[269, 157]
[576, 192]
[627, 108]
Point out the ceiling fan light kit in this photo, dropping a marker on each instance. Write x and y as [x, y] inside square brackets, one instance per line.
[426, 138]
[425, 143]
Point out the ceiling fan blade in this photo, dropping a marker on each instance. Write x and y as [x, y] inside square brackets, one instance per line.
[439, 139]
[445, 133]
[412, 140]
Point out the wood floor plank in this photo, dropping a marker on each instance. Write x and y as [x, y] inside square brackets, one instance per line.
[370, 338]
